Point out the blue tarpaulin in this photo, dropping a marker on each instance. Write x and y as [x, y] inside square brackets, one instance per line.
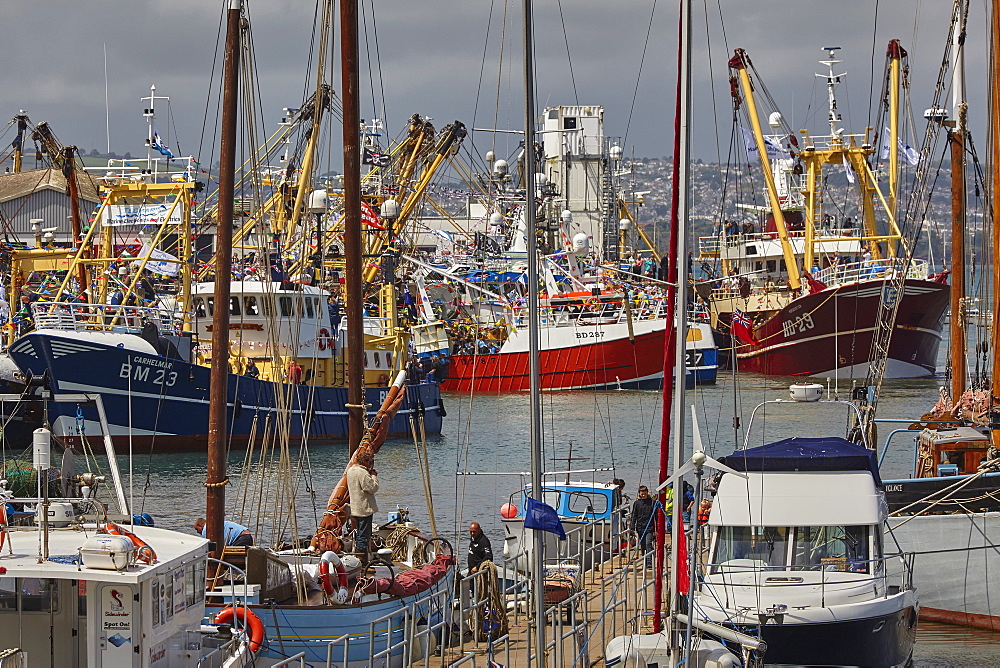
[806, 454]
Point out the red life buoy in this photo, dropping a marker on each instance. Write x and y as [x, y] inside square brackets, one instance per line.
[3, 524]
[383, 379]
[324, 339]
[248, 619]
[143, 551]
[328, 559]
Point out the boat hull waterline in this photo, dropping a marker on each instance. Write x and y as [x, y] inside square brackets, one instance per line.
[161, 404]
[832, 332]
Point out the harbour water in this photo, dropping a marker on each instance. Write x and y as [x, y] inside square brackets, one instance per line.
[488, 436]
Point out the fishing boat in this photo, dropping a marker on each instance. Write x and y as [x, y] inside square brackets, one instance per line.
[99, 324]
[801, 293]
[85, 583]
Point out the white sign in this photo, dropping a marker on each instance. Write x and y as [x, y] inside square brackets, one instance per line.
[121, 215]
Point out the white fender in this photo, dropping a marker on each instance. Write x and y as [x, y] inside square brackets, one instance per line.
[325, 562]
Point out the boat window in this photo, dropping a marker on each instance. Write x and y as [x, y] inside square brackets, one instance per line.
[835, 548]
[750, 547]
[29, 594]
[234, 306]
[584, 502]
[155, 596]
[8, 594]
[211, 305]
[191, 585]
[772, 266]
[267, 307]
[552, 498]
[250, 306]
[285, 304]
[309, 308]
[199, 307]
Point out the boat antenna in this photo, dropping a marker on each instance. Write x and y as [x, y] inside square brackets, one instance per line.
[831, 84]
[215, 485]
[350, 77]
[535, 390]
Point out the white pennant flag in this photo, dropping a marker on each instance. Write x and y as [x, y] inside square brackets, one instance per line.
[773, 148]
[910, 154]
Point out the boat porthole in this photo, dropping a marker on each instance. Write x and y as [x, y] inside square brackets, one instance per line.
[879, 626]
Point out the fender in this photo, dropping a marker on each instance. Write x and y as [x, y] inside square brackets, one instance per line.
[249, 619]
[329, 559]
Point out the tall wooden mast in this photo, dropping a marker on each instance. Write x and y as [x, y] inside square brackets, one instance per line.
[350, 89]
[957, 140]
[215, 485]
[994, 116]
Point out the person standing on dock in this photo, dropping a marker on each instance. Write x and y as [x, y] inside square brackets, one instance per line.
[642, 520]
[480, 549]
[362, 484]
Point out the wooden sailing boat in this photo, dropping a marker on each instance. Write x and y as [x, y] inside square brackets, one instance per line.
[949, 509]
[362, 609]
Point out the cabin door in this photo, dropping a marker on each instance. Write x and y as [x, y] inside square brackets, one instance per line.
[116, 628]
[41, 617]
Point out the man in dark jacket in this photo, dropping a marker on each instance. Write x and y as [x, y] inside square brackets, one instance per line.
[480, 549]
[642, 519]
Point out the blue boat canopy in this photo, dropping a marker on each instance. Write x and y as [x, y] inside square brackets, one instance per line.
[806, 454]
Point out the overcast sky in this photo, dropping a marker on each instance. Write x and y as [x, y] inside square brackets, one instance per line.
[460, 59]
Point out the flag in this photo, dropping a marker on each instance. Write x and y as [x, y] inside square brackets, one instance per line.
[815, 285]
[773, 148]
[683, 574]
[441, 234]
[156, 263]
[849, 173]
[910, 154]
[543, 517]
[369, 217]
[159, 146]
[742, 328]
[376, 158]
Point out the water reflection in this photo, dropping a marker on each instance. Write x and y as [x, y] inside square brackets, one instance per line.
[947, 646]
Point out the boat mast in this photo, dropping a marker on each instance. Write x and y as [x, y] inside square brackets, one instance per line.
[995, 191]
[739, 62]
[350, 77]
[670, 341]
[215, 486]
[957, 139]
[535, 388]
[683, 177]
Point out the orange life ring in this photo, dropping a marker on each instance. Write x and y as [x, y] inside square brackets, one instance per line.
[143, 551]
[329, 559]
[324, 339]
[249, 619]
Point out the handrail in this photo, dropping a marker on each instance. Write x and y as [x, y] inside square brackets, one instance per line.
[81, 316]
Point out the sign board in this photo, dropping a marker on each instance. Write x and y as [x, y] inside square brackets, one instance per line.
[139, 215]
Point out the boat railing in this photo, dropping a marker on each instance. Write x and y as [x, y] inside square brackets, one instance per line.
[234, 585]
[426, 629]
[296, 659]
[473, 602]
[221, 656]
[395, 643]
[854, 272]
[569, 626]
[80, 316]
[594, 312]
[625, 596]
[831, 574]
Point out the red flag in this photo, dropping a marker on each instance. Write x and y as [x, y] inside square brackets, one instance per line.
[742, 328]
[683, 576]
[369, 217]
[815, 285]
